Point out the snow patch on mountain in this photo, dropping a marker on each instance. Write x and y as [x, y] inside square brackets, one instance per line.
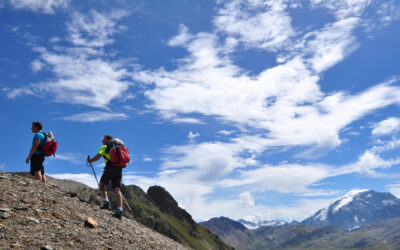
[322, 214]
[347, 198]
[252, 222]
[389, 202]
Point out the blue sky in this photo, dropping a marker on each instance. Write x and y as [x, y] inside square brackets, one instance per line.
[246, 108]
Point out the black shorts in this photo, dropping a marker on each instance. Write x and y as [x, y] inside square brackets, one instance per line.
[37, 164]
[114, 174]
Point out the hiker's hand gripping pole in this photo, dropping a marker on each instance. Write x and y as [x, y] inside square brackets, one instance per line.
[89, 164]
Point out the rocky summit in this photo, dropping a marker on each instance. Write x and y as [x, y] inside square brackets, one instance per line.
[38, 216]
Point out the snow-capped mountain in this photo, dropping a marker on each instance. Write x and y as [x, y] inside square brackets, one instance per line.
[357, 208]
[257, 224]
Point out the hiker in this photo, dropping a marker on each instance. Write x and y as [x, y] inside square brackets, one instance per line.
[113, 173]
[36, 157]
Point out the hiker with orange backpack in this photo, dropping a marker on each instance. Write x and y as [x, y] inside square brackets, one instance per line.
[116, 157]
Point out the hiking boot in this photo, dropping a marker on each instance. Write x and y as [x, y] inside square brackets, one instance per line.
[106, 205]
[117, 214]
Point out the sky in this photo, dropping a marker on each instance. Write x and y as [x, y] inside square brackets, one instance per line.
[254, 109]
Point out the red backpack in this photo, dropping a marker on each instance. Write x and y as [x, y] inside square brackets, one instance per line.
[50, 145]
[118, 153]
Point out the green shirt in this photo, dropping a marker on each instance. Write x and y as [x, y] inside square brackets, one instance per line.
[103, 153]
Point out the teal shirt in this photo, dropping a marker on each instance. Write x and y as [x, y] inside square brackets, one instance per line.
[40, 136]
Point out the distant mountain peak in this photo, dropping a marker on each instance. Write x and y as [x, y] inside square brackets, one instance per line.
[339, 203]
[357, 208]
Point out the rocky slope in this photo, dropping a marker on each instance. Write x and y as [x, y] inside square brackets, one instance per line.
[34, 215]
[155, 209]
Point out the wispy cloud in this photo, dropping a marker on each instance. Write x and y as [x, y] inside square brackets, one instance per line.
[45, 6]
[147, 159]
[256, 24]
[226, 132]
[82, 74]
[192, 135]
[284, 101]
[74, 158]
[94, 30]
[95, 116]
[86, 179]
[387, 126]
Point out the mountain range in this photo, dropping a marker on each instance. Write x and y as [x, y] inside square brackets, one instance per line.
[360, 219]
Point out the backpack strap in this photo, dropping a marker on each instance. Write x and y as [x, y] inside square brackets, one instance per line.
[45, 137]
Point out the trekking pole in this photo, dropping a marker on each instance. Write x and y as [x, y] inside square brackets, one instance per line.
[89, 164]
[126, 203]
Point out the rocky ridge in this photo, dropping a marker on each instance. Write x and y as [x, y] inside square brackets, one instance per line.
[155, 209]
[34, 215]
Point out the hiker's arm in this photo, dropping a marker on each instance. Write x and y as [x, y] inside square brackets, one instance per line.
[96, 158]
[33, 149]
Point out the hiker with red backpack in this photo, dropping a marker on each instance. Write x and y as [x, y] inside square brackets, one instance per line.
[35, 156]
[116, 157]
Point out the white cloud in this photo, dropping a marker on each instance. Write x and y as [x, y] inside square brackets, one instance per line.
[82, 74]
[368, 161]
[87, 179]
[371, 160]
[14, 93]
[226, 132]
[55, 39]
[182, 38]
[93, 30]
[258, 24]
[45, 6]
[284, 101]
[384, 146]
[288, 178]
[192, 135]
[247, 199]
[147, 159]
[96, 116]
[73, 158]
[332, 44]
[343, 8]
[394, 189]
[187, 120]
[36, 65]
[387, 126]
